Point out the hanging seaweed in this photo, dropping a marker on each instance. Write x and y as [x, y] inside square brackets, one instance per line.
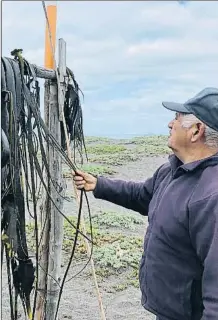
[74, 117]
[23, 136]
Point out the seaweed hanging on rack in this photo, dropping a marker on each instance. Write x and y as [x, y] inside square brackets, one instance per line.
[23, 136]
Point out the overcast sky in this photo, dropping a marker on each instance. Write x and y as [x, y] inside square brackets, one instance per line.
[127, 56]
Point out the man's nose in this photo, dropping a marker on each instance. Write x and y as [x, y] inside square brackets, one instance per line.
[170, 124]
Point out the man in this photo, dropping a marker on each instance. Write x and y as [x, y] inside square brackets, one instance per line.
[179, 267]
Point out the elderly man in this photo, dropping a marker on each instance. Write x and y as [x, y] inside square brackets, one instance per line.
[179, 267]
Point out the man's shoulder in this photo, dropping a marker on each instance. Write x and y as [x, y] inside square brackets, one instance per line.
[207, 184]
[165, 168]
[162, 172]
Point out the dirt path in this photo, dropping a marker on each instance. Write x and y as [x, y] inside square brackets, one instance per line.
[79, 299]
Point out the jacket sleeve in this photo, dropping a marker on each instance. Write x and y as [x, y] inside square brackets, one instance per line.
[131, 195]
[203, 221]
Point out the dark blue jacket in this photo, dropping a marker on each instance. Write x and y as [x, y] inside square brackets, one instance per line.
[179, 267]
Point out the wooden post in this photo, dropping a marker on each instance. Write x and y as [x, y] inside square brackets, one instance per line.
[62, 75]
[44, 231]
[51, 220]
[56, 219]
[56, 230]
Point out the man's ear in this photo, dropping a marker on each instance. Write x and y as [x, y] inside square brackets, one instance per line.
[198, 130]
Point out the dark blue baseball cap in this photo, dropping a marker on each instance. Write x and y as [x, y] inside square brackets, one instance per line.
[204, 106]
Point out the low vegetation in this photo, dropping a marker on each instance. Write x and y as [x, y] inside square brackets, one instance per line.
[117, 237]
[105, 149]
[110, 219]
[113, 252]
[120, 152]
[150, 140]
[116, 159]
[95, 169]
[91, 139]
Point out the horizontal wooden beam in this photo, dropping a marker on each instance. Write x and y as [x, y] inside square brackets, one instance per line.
[44, 73]
[41, 72]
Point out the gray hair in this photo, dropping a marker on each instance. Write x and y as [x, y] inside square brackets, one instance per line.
[210, 135]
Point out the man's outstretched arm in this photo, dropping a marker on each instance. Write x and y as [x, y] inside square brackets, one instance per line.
[131, 195]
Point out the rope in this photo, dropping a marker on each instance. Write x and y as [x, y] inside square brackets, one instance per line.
[89, 251]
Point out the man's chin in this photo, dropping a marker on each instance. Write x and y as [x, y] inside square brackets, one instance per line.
[169, 143]
[170, 146]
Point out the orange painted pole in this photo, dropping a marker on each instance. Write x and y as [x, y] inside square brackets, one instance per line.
[52, 18]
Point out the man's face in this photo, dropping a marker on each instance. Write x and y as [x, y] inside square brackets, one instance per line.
[179, 137]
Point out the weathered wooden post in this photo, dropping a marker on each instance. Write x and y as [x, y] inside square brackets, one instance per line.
[45, 232]
[51, 219]
[56, 227]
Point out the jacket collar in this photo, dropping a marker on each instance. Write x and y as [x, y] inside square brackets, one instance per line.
[177, 164]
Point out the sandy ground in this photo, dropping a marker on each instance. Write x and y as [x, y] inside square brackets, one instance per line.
[79, 299]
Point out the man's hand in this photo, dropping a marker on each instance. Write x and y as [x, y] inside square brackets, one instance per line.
[85, 181]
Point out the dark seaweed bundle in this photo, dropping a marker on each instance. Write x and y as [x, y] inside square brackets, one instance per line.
[24, 135]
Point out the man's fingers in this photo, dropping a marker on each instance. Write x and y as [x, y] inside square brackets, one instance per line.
[80, 186]
[79, 183]
[78, 178]
[84, 181]
[79, 173]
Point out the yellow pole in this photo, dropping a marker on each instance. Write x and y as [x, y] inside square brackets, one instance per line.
[52, 18]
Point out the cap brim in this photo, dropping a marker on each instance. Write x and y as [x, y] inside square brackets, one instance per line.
[174, 106]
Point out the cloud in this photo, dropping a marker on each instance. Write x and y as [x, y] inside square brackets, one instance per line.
[126, 56]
